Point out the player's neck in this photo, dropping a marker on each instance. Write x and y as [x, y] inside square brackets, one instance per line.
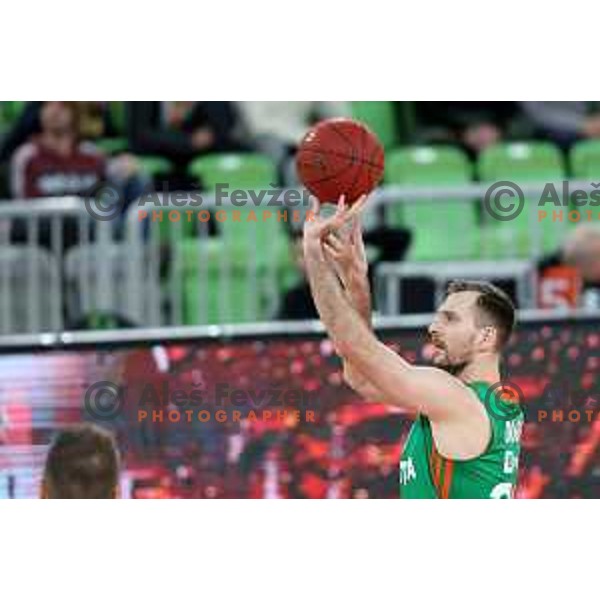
[485, 368]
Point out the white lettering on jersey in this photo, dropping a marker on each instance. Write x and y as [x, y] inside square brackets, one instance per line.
[512, 431]
[407, 471]
[511, 462]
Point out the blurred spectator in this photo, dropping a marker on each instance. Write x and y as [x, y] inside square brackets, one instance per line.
[297, 303]
[472, 125]
[94, 120]
[276, 128]
[563, 122]
[181, 131]
[55, 161]
[580, 251]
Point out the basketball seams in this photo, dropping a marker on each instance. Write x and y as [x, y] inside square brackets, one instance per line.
[359, 167]
[342, 135]
[319, 152]
[324, 153]
[329, 177]
[372, 165]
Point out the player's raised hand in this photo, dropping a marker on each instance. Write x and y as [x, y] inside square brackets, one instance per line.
[318, 227]
[346, 252]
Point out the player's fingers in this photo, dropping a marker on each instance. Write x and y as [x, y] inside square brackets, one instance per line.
[338, 240]
[337, 220]
[345, 217]
[330, 251]
[335, 242]
[359, 205]
[341, 210]
[355, 232]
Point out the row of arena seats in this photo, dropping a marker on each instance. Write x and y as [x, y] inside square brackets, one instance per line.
[238, 275]
[453, 229]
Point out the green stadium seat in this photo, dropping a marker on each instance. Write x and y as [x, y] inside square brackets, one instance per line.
[585, 165]
[239, 170]
[380, 117]
[585, 160]
[257, 250]
[117, 116]
[246, 291]
[443, 230]
[169, 231]
[111, 145]
[9, 113]
[4, 122]
[155, 166]
[14, 109]
[522, 163]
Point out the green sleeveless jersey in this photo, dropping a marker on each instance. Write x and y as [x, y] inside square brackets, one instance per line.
[424, 473]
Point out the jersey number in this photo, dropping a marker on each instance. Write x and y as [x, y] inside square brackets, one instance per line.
[503, 491]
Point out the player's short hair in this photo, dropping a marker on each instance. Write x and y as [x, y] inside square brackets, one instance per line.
[494, 305]
[83, 462]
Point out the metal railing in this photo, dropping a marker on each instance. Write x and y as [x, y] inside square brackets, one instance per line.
[390, 278]
[43, 286]
[59, 265]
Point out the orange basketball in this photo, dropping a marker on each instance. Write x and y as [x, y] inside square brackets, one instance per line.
[340, 156]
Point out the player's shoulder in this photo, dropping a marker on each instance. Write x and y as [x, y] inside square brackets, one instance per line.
[439, 375]
[459, 395]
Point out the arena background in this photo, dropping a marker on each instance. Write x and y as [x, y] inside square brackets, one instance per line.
[351, 450]
[113, 275]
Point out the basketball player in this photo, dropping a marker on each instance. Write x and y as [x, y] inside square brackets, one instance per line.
[82, 462]
[455, 449]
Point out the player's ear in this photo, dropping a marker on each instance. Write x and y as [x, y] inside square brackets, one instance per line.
[489, 334]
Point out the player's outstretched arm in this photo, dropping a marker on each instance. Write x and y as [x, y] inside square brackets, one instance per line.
[347, 254]
[420, 389]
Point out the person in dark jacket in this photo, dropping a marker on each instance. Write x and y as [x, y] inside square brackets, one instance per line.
[472, 125]
[182, 131]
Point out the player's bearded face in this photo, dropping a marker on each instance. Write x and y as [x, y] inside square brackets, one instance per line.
[452, 337]
[451, 355]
